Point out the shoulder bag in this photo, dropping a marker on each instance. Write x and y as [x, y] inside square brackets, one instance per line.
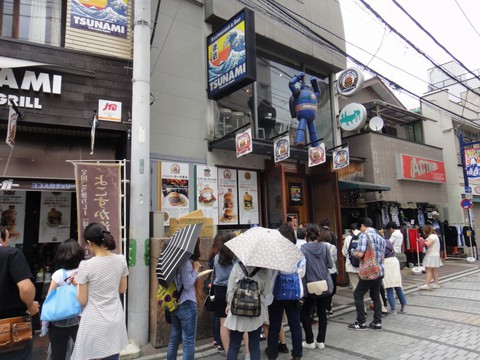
[319, 288]
[15, 333]
[61, 303]
[369, 267]
[209, 302]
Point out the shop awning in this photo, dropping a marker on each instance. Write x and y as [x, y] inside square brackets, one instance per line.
[6, 62]
[11, 63]
[359, 185]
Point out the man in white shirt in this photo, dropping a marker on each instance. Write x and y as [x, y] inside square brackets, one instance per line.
[351, 270]
[396, 236]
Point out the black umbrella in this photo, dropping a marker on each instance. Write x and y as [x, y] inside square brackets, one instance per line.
[178, 250]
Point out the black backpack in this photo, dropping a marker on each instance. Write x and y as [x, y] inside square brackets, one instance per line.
[353, 245]
[246, 298]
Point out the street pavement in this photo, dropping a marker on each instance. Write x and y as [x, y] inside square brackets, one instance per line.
[440, 324]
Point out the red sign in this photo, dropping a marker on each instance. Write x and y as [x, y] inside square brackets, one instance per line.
[420, 169]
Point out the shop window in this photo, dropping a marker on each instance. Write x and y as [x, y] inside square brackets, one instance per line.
[38, 21]
[234, 111]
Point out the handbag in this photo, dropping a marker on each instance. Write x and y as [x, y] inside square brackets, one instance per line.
[15, 333]
[369, 267]
[317, 287]
[209, 302]
[61, 303]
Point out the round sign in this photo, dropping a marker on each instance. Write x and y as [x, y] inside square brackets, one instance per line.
[352, 117]
[466, 204]
[349, 81]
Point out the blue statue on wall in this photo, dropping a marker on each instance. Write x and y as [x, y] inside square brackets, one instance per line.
[303, 106]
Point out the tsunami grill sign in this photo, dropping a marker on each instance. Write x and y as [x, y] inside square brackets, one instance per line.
[231, 56]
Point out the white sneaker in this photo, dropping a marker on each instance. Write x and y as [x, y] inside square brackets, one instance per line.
[433, 286]
[424, 287]
[308, 346]
[320, 345]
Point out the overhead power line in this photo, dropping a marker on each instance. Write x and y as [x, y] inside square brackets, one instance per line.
[418, 49]
[434, 39]
[319, 39]
[466, 17]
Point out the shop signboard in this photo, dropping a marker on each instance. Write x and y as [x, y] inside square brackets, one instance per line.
[420, 169]
[175, 179]
[472, 162]
[341, 158]
[105, 17]
[55, 209]
[12, 211]
[281, 148]
[248, 197]
[207, 192]
[231, 58]
[227, 195]
[243, 142]
[109, 110]
[316, 155]
[99, 198]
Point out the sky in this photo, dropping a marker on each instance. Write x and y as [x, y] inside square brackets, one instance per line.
[380, 47]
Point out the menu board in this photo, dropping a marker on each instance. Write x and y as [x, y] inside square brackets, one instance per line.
[227, 195]
[12, 211]
[54, 217]
[248, 197]
[207, 192]
[174, 190]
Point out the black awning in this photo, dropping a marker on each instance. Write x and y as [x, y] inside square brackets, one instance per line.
[359, 185]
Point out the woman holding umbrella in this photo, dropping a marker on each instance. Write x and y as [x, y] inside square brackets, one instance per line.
[184, 318]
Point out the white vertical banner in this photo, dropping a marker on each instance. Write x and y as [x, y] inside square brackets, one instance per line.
[207, 191]
[92, 132]
[248, 197]
[316, 155]
[281, 148]
[54, 217]
[12, 210]
[12, 127]
[341, 158]
[243, 142]
[174, 182]
[227, 193]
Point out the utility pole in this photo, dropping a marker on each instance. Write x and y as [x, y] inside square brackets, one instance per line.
[138, 281]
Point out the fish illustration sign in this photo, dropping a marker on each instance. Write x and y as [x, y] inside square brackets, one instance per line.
[104, 16]
[231, 55]
[352, 117]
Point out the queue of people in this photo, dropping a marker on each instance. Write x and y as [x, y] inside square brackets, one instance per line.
[102, 278]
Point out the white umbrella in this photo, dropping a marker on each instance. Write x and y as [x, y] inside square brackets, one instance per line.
[266, 248]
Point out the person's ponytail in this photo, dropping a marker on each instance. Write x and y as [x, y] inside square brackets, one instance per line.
[99, 235]
[109, 241]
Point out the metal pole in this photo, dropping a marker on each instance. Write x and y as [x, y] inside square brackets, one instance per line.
[138, 281]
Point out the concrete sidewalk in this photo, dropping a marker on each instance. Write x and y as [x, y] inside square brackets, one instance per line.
[440, 324]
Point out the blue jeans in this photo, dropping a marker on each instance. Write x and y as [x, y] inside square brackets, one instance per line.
[391, 297]
[112, 357]
[275, 312]
[253, 344]
[216, 329]
[184, 328]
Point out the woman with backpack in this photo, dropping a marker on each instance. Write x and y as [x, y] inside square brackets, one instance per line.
[349, 244]
[252, 324]
[318, 261]
[288, 290]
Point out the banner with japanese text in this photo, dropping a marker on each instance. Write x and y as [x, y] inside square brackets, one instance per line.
[55, 209]
[98, 198]
[207, 191]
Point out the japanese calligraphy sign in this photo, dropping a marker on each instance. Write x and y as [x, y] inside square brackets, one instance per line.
[54, 217]
[98, 198]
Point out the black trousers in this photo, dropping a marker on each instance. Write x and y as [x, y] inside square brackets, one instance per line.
[374, 287]
[59, 337]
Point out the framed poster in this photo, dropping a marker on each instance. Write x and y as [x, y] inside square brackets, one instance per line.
[295, 193]
[54, 217]
[227, 193]
[175, 201]
[207, 192]
[248, 197]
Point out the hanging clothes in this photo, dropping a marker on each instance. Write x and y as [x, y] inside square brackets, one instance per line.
[394, 214]
[385, 218]
[452, 236]
[421, 217]
[460, 241]
[413, 235]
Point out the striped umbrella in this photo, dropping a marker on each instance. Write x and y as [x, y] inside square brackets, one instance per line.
[178, 250]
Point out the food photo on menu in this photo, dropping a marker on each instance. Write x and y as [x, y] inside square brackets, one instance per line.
[247, 201]
[228, 216]
[175, 197]
[207, 197]
[228, 207]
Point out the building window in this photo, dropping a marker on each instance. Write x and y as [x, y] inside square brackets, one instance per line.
[38, 21]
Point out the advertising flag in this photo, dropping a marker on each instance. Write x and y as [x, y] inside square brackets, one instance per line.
[243, 142]
[316, 155]
[281, 148]
[12, 127]
[341, 158]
